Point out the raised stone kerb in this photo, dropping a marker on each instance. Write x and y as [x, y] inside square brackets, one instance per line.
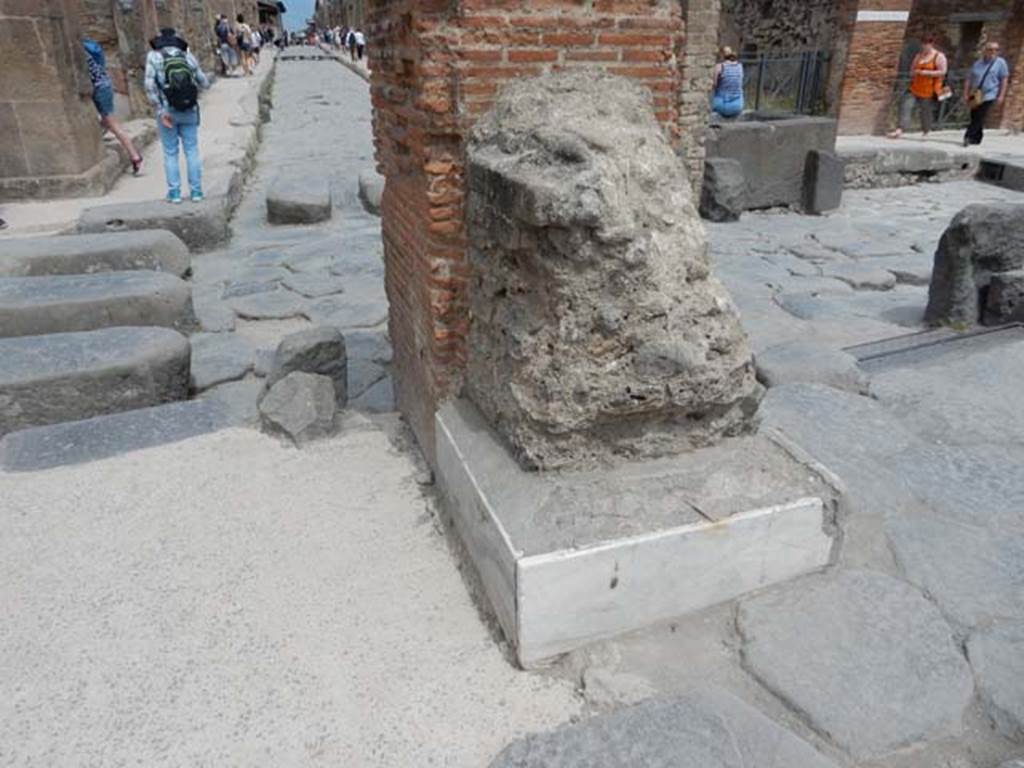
[153, 249]
[597, 326]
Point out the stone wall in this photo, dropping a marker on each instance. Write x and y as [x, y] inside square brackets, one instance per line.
[47, 119]
[780, 26]
[437, 66]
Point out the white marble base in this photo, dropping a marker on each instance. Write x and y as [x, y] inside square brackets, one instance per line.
[550, 600]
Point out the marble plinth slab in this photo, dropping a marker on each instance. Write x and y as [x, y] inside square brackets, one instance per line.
[570, 558]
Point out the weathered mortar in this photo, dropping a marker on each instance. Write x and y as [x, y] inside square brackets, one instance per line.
[597, 329]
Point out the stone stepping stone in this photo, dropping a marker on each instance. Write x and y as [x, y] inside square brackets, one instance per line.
[72, 376]
[371, 190]
[78, 442]
[201, 226]
[153, 249]
[220, 357]
[997, 656]
[279, 304]
[33, 306]
[868, 660]
[306, 201]
[707, 728]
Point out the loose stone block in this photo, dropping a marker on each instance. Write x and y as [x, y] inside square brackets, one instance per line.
[306, 201]
[598, 329]
[865, 657]
[981, 241]
[33, 306]
[71, 376]
[371, 190]
[997, 656]
[301, 406]
[707, 728]
[823, 182]
[1005, 300]
[723, 195]
[319, 350]
[153, 249]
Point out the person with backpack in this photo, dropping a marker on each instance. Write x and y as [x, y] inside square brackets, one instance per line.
[103, 98]
[173, 80]
[986, 86]
[243, 33]
[225, 49]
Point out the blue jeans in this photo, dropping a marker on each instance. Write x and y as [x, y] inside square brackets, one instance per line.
[727, 107]
[189, 137]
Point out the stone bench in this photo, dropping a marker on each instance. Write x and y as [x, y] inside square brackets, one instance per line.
[32, 306]
[154, 249]
[72, 376]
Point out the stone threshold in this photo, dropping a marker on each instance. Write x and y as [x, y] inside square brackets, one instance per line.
[570, 558]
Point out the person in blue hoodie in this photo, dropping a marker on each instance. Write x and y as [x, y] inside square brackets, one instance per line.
[173, 80]
[103, 98]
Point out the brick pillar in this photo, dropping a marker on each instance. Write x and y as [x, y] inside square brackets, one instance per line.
[1013, 50]
[437, 65]
[48, 123]
[872, 64]
[698, 64]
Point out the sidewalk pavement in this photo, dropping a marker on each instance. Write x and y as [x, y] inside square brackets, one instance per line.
[998, 145]
[360, 67]
[227, 138]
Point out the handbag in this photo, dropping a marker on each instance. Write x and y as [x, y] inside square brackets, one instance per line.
[977, 96]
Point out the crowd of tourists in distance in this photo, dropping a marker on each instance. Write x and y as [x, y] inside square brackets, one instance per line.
[239, 45]
[984, 87]
[353, 41]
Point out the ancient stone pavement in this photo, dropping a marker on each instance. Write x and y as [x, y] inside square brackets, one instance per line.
[277, 279]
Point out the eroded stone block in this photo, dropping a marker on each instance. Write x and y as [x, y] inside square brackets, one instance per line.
[598, 328]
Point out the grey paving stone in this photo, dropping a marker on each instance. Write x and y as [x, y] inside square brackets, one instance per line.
[812, 362]
[253, 280]
[707, 728]
[202, 226]
[379, 398]
[371, 190]
[369, 344]
[152, 249]
[73, 376]
[32, 306]
[101, 437]
[314, 286]
[279, 304]
[220, 357]
[363, 374]
[867, 659]
[320, 350]
[861, 276]
[300, 406]
[240, 398]
[299, 201]
[349, 311]
[212, 314]
[997, 656]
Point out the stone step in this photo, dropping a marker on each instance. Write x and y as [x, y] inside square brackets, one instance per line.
[78, 442]
[202, 226]
[33, 306]
[72, 376]
[155, 249]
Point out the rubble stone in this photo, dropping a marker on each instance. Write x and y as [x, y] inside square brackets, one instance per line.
[723, 196]
[301, 406]
[982, 240]
[597, 327]
[823, 181]
[319, 350]
[1005, 300]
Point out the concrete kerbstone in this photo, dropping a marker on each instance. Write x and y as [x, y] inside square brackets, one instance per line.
[73, 376]
[153, 249]
[33, 306]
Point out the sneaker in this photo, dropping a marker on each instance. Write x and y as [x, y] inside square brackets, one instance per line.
[174, 197]
[197, 197]
[3, 224]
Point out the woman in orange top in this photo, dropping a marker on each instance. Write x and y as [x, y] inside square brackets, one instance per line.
[928, 73]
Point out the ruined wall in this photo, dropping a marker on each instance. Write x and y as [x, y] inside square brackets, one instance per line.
[780, 26]
[697, 63]
[437, 65]
[47, 119]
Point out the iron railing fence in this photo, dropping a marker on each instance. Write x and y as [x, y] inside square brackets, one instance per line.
[788, 83]
[949, 114]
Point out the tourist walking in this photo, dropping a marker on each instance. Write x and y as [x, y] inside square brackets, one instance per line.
[727, 100]
[927, 86]
[103, 98]
[243, 33]
[225, 46]
[986, 85]
[173, 80]
[360, 44]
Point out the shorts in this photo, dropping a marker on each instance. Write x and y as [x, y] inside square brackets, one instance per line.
[103, 98]
[246, 47]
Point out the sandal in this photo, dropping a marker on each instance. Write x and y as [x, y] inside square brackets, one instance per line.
[136, 166]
